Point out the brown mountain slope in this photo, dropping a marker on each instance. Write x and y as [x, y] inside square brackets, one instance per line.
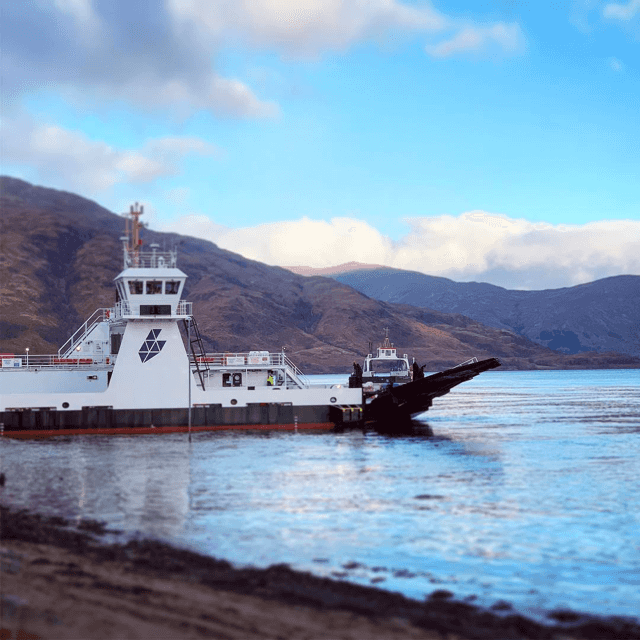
[59, 254]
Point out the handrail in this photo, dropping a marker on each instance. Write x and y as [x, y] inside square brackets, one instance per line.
[254, 360]
[122, 309]
[466, 362]
[56, 361]
[98, 316]
[297, 373]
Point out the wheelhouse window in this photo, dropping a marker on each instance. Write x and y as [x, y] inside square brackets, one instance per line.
[172, 287]
[384, 366]
[135, 287]
[155, 309]
[154, 286]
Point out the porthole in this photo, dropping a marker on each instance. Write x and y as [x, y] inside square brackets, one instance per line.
[65, 405]
[332, 399]
[234, 401]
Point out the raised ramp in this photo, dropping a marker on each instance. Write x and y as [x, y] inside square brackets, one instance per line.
[403, 402]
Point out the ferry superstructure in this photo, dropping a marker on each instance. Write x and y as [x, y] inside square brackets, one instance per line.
[140, 367]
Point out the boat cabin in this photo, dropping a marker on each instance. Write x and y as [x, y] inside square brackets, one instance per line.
[384, 368]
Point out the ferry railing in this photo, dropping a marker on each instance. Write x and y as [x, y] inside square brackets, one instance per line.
[98, 316]
[295, 373]
[55, 361]
[255, 360]
[185, 308]
[151, 259]
[466, 362]
[123, 310]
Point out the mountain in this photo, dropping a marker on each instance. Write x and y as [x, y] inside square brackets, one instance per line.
[59, 253]
[599, 316]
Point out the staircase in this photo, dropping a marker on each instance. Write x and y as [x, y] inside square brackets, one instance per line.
[295, 375]
[82, 333]
[197, 348]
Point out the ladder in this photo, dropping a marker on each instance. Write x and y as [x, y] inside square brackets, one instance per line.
[197, 348]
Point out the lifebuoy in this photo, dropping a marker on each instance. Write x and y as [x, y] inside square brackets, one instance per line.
[107, 313]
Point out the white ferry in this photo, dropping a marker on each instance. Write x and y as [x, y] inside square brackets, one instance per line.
[395, 391]
[131, 369]
[382, 369]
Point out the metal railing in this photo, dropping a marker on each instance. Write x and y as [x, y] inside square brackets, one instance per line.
[98, 316]
[123, 310]
[297, 376]
[55, 361]
[255, 360]
[150, 259]
[466, 362]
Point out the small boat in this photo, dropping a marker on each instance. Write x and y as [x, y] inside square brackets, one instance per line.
[395, 392]
[382, 369]
[141, 367]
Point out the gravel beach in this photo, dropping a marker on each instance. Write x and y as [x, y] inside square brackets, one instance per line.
[60, 581]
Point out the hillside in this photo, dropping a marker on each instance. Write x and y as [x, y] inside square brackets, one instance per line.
[599, 316]
[59, 253]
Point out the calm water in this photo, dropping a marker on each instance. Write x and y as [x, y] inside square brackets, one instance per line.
[527, 491]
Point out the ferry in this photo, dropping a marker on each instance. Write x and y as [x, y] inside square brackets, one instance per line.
[141, 367]
[395, 391]
[384, 368]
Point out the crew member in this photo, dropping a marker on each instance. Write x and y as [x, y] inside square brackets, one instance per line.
[270, 379]
[357, 375]
[418, 372]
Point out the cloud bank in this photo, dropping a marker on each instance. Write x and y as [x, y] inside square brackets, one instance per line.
[161, 55]
[474, 246]
[91, 166]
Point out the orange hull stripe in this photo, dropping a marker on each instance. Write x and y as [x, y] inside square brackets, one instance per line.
[46, 433]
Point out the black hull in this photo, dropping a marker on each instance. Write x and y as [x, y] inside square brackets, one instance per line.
[399, 404]
[39, 423]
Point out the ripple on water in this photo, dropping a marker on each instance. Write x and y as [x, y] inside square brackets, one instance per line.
[519, 487]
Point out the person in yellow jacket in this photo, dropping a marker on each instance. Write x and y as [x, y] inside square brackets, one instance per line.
[270, 379]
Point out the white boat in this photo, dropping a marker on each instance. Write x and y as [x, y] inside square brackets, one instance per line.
[131, 369]
[395, 391]
[382, 369]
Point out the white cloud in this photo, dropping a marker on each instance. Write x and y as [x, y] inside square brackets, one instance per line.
[92, 165]
[119, 49]
[304, 27]
[622, 11]
[476, 245]
[161, 55]
[473, 39]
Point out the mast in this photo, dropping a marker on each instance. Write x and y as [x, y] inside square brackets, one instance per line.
[132, 241]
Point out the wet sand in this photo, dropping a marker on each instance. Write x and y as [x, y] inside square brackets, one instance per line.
[59, 581]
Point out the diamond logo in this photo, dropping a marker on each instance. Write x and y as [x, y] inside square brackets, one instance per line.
[151, 346]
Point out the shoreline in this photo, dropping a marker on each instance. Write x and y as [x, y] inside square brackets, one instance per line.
[58, 580]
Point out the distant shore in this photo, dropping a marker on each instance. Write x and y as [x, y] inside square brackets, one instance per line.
[59, 581]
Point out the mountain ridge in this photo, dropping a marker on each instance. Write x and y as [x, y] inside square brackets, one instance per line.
[597, 316]
[59, 253]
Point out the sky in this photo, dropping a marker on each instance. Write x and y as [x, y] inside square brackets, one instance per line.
[480, 141]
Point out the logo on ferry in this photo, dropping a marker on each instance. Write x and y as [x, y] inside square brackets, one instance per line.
[151, 346]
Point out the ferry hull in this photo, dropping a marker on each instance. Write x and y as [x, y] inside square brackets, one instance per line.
[43, 423]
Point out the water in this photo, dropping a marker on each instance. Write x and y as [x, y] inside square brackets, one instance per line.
[528, 491]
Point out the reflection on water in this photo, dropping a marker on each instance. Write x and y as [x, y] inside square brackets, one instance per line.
[522, 486]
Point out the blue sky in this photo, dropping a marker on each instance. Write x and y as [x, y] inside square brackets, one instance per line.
[494, 142]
